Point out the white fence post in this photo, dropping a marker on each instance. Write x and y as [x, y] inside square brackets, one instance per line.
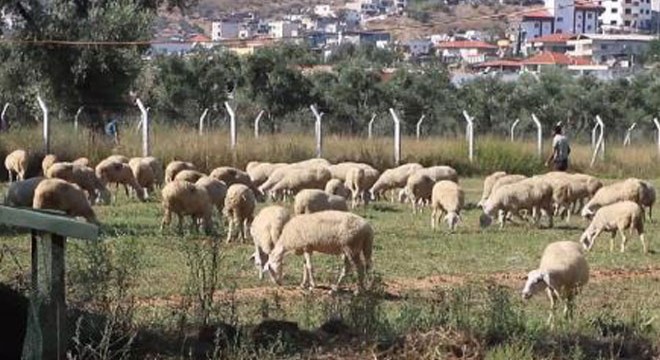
[657, 128]
[469, 134]
[370, 126]
[600, 144]
[3, 117]
[232, 125]
[202, 120]
[419, 126]
[318, 131]
[256, 124]
[397, 137]
[513, 130]
[145, 127]
[76, 117]
[627, 138]
[593, 135]
[46, 125]
[539, 135]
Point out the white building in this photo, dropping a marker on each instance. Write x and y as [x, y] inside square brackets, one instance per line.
[561, 17]
[626, 15]
[283, 29]
[225, 29]
[471, 52]
[324, 11]
[418, 47]
[609, 48]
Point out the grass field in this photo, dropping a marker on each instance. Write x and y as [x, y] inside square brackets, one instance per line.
[432, 292]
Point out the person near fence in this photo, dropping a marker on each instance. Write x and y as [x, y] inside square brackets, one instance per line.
[560, 150]
[112, 130]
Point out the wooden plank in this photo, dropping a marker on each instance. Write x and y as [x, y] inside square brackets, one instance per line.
[49, 222]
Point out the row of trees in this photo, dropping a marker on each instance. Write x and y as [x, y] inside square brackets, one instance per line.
[106, 79]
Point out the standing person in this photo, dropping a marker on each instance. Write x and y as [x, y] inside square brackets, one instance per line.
[112, 130]
[560, 150]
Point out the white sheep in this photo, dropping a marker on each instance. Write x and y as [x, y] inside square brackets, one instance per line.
[84, 177]
[356, 182]
[183, 198]
[308, 201]
[240, 203]
[61, 195]
[217, 191]
[16, 163]
[615, 218]
[82, 161]
[392, 179]
[562, 193]
[437, 173]
[563, 271]
[231, 176]
[259, 172]
[531, 195]
[112, 171]
[144, 174]
[337, 187]
[583, 186]
[190, 176]
[419, 189]
[447, 200]
[47, 162]
[630, 189]
[175, 167]
[489, 181]
[21, 193]
[156, 167]
[302, 178]
[265, 231]
[647, 198]
[329, 232]
[117, 158]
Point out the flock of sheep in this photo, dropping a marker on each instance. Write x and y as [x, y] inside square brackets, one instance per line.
[322, 195]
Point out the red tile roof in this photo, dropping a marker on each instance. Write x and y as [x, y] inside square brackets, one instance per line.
[553, 38]
[554, 58]
[200, 38]
[540, 13]
[588, 5]
[466, 45]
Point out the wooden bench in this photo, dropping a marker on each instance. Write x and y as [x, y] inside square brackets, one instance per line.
[46, 336]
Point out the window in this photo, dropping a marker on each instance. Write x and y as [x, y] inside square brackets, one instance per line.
[628, 11]
[603, 47]
[626, 23]
[588, 27]
[536, 25]
[560, 19]
[628, 1]
[615, 10]
[613, 22]
[590, 16]
[579, 16]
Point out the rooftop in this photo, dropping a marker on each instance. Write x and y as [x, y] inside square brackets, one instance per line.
[554, 58]
[466, 45]
[616, 37]
[553, 38]
[537, 14]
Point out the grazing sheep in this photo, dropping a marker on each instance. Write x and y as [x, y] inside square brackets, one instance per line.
[582, 186]
[144, 174]
[299, 179]
[337, 187]
[562, 193]
[616, 217]
[437, 173]
[240, 203]
[506, 180]
[117, 158]
[447, 200]
[16, 163]
[190, 176]
[110, 171]
[157, 167]
[329, 232]
[259, 172]
[183, 198]
[265, 231]
[216, 189]
[231, 176]
[630, 189]
[647, 198]
[419, 189]
[175, 167]
[21, 193]
[356, 182]
[489, 181]
[84, 177]
[531, 195]
[47, 162]
[392, 179]
[61, 195]
[563, 271]
[308, 201]
[82, 161]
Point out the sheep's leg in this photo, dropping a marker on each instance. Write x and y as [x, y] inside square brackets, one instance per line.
[11, 176]
[167, 219]
[344, 270]
[257, 261]
[310, 270]
[434, 218]
[180, 216]
[551, 297]
[230, 229]
[651, 213]
[644, 245]
[305, 278]
[502, 218]
[548, 213]
[568, 215]
[623, 240]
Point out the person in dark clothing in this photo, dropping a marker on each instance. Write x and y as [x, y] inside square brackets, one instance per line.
[560, 150]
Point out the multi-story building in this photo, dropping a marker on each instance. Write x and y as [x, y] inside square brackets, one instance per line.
[283, 29]
[626, 15]
[225, 29]
[609, 48]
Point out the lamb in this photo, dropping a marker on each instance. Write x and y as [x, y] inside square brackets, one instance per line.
[110, 171]
[437, 173]
[82, 161]
[240, 203]
[488, 186]
[265, 231]
[447, 200]
[647, 198]
[183, 198]
[337, 187]
[616, 217]
[308, 201]
[21, 193]
[329, 232]
[259, 172]
[563, 271]
[630, 189]
[16, 163]
[298, 179]
[393, 178]
[531, 195]
[47, 162]
[58, 194]
[143, 173]
[190, 176]
[175, 167]
[419, 188]
[217, 191]
[84, 177]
